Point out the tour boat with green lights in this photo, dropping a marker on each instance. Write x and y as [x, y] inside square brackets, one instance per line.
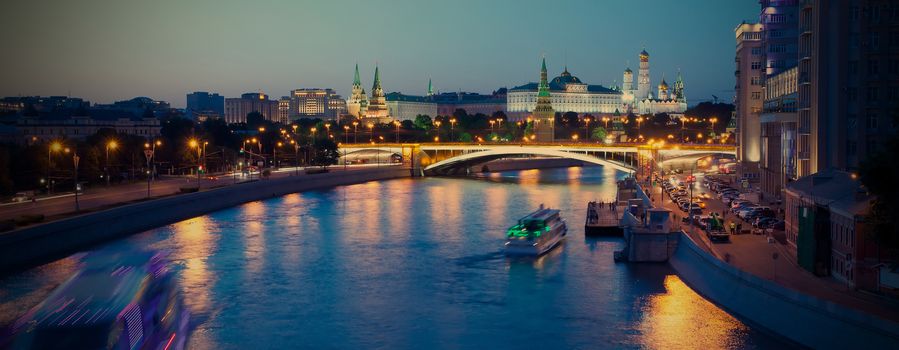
[536, 233]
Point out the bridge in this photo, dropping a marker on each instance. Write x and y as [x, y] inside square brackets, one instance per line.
[454, 158]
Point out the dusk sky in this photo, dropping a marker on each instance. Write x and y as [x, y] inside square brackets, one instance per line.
[112, 50]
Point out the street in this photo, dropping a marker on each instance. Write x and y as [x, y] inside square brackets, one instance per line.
[772, 261]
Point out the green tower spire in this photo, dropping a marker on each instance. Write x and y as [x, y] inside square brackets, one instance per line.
[430, 88]
[377, 84]
[356, 80]
[543, 88]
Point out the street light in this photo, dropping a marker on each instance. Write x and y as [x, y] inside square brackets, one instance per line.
[275, 153]
[109, 145]
[437, 127]
[346, 134]
[313, 130]
[371, 132]
[54, 146]
[355, 132]
[396, 123]
[452, 128]
[713, 120]
[194, 143]
[574, 137]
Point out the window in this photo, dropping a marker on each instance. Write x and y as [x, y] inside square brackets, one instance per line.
[852, 94]
[873, 68]
[872, 120]
[775, 33]
[756, 81]
[756, 95]
[756, 50]
[756, 65]
[854, 13]
[872, 94]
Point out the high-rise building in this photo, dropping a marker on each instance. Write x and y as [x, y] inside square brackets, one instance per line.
[236, 109]
[316, 103]
[202, 101]
[848, 81]
[748, 95]
[779, 51]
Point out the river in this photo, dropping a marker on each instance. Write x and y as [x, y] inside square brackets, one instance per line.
[416, 263]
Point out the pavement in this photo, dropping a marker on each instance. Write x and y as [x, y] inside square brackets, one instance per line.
[100, 197]
[775, 261]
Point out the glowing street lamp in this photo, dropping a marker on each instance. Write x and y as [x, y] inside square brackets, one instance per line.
[346, 134]
[112, 144]
[397, 124]
[371, 132]
[55, 146]
[193, 143]
[452, 128]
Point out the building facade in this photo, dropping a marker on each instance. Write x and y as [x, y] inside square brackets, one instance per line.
[749, 75]
[316, 103]
[201, 101]
[778, 133]
[407, 107]
[472, 103]
[377, 111]
[236, 109]
[71, 125]
[569, 94]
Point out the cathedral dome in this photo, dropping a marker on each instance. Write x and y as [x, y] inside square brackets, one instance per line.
[565, 78]
[628, 71]
[663, 85]
[644, 56]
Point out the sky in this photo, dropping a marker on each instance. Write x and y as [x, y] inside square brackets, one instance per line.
[110, 50]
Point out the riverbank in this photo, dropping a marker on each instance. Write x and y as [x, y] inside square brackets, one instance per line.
[32, 246]
[802, 318]
[511, 164]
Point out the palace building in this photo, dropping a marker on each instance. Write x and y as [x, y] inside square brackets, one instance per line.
[567, 93]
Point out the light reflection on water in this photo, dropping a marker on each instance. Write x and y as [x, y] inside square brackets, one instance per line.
[416, 263]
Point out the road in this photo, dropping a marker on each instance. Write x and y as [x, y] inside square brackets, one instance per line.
[775, 261]
[101, 197]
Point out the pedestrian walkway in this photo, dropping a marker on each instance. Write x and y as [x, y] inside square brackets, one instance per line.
[775, 262]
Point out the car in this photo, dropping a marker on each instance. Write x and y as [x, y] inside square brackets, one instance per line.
[763, 222]
[682, 192]
[23, 196]
[778, 225]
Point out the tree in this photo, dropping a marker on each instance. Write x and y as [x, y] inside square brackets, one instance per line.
[569, 119]
[599, 133]
[254, 119]
[324, 152]
[423, 122]
[465, 137]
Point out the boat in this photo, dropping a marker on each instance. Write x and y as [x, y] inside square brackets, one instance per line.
[119, 301]
[536, 233]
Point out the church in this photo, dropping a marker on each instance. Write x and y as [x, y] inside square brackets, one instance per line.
[567, 93]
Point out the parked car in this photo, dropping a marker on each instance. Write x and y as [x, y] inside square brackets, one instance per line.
[23, 196]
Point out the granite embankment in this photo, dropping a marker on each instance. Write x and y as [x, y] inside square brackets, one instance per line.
[32, 246]
[804, 319]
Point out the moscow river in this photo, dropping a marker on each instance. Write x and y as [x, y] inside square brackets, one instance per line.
[416, 263]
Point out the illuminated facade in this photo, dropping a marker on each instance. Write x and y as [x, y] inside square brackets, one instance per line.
[316, 103]
[568, 93]
[236, 109]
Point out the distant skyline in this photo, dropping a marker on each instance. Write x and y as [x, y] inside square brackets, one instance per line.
[105, 51]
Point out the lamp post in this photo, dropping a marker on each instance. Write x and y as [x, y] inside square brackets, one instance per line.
[437, 127]
[313, 130]
[112, 145]
[355, 131]
[55, 146]
[713, 120]
[75, 159]
[194, 143]
[396, 123]
[275, 153]
[371, 133]
[296, 156]
[452, 129]
[492, 122]
[346, 134]
[328, 129]
[639, 120]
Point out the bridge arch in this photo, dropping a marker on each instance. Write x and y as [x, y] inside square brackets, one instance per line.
[478, 157]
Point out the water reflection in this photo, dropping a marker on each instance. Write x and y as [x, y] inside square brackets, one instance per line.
[416, 263]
